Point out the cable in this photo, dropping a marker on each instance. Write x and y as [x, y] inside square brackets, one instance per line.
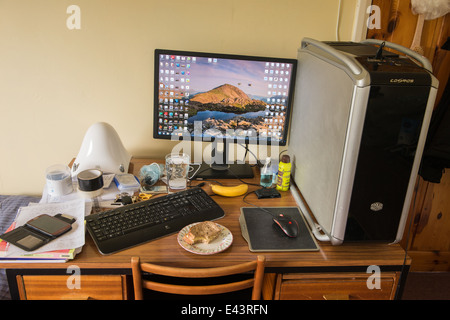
[194, 164]
[249, 183]
[263, 209]
[379, 54]
[247, 150]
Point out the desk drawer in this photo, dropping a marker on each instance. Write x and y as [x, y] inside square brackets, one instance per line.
[98, 287]
[331, 286]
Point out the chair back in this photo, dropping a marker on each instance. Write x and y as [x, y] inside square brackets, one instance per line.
[256, 282]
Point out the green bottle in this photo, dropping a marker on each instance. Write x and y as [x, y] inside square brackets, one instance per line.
[284, 173]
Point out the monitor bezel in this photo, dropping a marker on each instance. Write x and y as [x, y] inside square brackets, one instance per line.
[268, 140]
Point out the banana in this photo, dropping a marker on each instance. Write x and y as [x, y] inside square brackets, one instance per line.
[229, 191]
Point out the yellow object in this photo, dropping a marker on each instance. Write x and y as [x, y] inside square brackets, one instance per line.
[144, 196]
[284, 174]
[229, 191]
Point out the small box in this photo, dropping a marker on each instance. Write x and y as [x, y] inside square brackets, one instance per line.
[267, 193]
[127, 182]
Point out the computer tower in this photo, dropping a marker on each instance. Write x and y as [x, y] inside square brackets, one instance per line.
[360, 119]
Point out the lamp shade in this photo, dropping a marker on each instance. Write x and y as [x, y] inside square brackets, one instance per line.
[102, 149]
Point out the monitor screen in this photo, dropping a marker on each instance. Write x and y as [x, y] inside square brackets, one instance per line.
[209, 96]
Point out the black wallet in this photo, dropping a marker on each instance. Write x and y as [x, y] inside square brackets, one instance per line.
[39, 231]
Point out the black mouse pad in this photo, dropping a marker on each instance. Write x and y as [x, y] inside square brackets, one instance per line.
[262, 234]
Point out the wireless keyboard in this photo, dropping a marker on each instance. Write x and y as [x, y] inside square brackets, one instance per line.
[136, 223]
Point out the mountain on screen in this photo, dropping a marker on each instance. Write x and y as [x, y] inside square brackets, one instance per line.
[226, 95]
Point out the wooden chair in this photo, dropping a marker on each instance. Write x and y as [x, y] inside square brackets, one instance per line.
[256, 282]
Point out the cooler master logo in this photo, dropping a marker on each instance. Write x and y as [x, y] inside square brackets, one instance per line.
[401, 81]
[376, 206]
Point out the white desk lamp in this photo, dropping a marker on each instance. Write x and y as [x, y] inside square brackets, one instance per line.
[102, 149]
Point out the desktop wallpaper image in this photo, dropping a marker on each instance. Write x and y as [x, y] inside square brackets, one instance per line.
[247, 97]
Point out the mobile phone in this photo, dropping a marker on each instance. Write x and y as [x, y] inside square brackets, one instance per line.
[49, 225]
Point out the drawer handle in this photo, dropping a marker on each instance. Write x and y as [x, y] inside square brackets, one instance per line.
[76, 297]
[336, 296]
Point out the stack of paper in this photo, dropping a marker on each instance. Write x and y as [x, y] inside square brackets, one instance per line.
[61, 249]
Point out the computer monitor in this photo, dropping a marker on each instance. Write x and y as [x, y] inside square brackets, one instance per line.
[222, 98]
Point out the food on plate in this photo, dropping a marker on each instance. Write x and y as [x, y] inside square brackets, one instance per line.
[205, 232]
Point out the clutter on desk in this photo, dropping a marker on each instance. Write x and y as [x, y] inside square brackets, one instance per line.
[38, 231]
[127, 182]
[150, 174]
[58, 180]
[264, 193]
[60, 249]
[177, 170]
[153, 189]
[266, 174]
[284, 173]
[85, 185]
[95, 187]
[102, 149]
[123, 199]
[90, 183]
[143, 196]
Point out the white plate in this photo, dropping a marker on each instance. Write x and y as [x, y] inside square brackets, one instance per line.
[222, 242]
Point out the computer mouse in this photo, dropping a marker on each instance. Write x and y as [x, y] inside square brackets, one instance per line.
[287, 224]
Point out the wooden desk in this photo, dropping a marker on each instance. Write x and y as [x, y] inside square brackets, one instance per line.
[333, 271]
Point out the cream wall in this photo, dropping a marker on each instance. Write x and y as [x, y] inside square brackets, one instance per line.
[56, 82]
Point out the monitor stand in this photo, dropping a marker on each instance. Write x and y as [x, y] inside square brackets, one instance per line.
[231, 171]
[220, 169]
